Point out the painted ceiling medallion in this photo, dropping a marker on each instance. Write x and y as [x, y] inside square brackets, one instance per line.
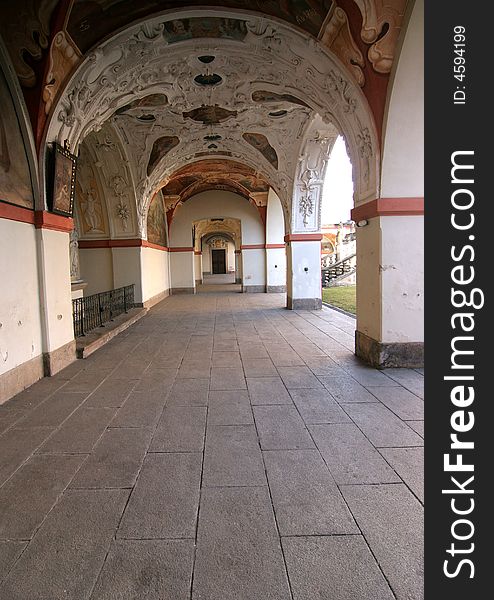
[210, 115]
[211, 79]
[206, 59]
[161, 146]
[212, 137]
[278, 113]
[260, 142]
[264, 96]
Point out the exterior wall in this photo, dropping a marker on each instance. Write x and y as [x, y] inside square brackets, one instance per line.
[21, 330]
[155, 274]
[96, 269]
[402, 173]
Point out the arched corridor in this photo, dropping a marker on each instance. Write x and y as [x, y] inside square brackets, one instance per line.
[225, 435]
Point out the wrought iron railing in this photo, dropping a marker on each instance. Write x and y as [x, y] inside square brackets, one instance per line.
[94, 311]
[337, 271]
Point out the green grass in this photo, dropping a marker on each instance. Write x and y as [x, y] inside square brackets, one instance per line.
[342, 297]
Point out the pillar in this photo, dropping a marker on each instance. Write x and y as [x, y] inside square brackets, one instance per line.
[303, 253]
[390, 240]
[198, 267]
[182, 270]
[275, 245]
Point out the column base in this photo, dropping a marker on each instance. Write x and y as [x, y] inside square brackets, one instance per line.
[19, 378]
[276, 289]
[304, 303]
[254, 289]
[58, 359]
[382, 355]
[183, 290]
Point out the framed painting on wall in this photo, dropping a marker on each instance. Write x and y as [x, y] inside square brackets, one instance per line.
[63, 182]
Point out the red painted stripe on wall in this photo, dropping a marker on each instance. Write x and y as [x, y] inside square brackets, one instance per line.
[303, 237]
[387, 207]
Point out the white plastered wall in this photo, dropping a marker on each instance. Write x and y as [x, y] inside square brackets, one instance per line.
[20, 319]
[55, 276]
[96, 267]
[402, 171]
[216, 204]
[127, 269]
[155, 273]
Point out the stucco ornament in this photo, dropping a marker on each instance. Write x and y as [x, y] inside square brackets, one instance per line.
[376, 14]
[274, 83]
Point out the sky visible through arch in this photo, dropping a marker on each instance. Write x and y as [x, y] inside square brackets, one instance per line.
[337, 199]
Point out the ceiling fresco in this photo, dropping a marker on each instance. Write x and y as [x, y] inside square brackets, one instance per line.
[92, 20]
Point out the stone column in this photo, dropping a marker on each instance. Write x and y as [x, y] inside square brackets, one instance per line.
[390, 282]
[303, 253]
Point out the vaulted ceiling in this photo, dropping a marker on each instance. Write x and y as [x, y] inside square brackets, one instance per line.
[185, 96]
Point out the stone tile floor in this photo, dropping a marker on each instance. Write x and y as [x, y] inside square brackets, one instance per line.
[221, 448]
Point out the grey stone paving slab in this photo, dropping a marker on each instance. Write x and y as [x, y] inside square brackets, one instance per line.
[226, 359]
[156, 381]
[281, 428]
[9, 418]
[190, 385]
[223, 378]
[64, 558]
[409, 464]
[382, 427]
[232, 457]
[284, 359]
[351, 458]
[165, 500]
[9, 553]
[238, 551]
[54, 411]
[111, 393]
[267, 390]
[146, 569]
[368, 376]
[257, 351]
[299, 378]
[305, 497]
[411, 379]
[180, 429]
[417, 426]
[116, 459]
[346, 389]
[29, 494]
[259, 367]
[80, 431]
[194, 370]
[229, 408]
[87, 380]
[225, 345]
[323, 366]
[188, 397]
[391, 519]
[18, 444]
[141, 409]
[403, 403]
[318, 406]
[334, 568]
